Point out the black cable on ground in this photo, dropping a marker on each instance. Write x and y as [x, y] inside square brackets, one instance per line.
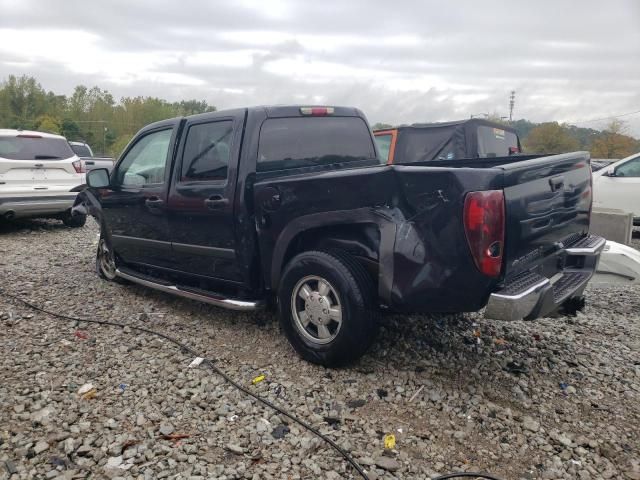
[238, 386]
[466, 474]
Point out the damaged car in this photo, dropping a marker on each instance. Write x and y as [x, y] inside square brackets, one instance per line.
[289, 206]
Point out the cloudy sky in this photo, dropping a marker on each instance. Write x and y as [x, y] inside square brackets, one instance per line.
[401, 62]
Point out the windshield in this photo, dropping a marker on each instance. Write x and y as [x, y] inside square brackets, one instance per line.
[34, 148]
[495, 142]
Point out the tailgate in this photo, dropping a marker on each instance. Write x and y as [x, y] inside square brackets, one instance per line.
[548, 205]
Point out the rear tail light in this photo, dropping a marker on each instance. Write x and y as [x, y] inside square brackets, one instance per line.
[78, 165]
[484, 225]
[316, 111]
[513, 150]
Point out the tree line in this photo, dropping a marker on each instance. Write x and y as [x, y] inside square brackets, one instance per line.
[94, 116]
[91, 115]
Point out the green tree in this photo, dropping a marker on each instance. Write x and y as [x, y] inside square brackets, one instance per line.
[613, 143]
[22, 100]
[48, 123]
[117, 147]
[70, 129]
[381, 126]
[550, 137]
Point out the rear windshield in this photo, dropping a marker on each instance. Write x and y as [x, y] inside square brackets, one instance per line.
[304, 141]
[495, 142]
[81, 150]
[34, 148]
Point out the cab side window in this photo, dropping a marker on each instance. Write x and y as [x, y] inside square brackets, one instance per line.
[145, 163]
[207, 152]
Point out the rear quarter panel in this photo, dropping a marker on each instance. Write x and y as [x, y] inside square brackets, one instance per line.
[426, 265]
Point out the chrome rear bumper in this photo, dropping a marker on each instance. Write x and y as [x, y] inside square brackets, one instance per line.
[530, 295]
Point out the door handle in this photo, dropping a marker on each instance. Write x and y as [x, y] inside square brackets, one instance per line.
[216, 202]
[556, 183]
[154, 202]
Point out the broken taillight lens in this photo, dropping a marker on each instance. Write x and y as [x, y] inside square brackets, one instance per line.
[484, 225]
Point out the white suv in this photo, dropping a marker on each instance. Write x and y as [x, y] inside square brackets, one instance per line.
[40, 176]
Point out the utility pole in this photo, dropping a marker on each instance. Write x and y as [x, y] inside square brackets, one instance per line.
[512, 102]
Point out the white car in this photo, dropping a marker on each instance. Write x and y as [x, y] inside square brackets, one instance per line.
[618, 186]
[40, 176]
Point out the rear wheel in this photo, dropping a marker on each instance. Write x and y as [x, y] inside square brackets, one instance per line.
[74, 221]
[327, 307]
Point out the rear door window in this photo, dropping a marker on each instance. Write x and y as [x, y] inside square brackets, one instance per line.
[306, 141]
[34, 148]
[207, 151]
[495, 142]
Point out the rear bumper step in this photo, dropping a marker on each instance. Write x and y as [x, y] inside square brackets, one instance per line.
[201, 296]
[591, 245]
[530, 295]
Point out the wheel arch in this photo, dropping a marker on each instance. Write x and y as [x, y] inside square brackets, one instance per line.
[364, 233]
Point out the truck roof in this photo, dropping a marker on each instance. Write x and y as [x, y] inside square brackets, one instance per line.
[272, 111]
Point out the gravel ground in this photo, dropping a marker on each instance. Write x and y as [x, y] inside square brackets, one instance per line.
[555, 398]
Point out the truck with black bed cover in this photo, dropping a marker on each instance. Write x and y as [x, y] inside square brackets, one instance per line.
[289, 206]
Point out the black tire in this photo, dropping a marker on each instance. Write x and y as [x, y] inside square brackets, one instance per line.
[74, 221]
[571, 306]
[350, 288]
[105, 250]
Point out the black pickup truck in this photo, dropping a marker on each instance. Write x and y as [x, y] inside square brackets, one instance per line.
[290, 206]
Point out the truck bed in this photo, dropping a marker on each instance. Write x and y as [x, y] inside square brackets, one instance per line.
[547, 205]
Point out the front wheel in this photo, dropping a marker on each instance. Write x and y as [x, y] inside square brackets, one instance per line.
[74, 221]
[106, 261]
[327, 307]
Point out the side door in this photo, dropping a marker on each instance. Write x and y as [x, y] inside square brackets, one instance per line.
[134, 205]
[201, 199]
[621, 190]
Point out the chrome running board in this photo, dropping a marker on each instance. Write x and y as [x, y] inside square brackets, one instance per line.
[213, 299]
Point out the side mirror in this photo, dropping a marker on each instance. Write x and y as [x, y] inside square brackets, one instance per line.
[609, 172]
[98, 178]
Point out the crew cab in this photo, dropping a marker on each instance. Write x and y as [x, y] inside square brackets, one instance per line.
[423, 142]
[40, 176]
[289, 206]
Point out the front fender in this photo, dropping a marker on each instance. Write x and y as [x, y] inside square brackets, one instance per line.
[86, 203]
